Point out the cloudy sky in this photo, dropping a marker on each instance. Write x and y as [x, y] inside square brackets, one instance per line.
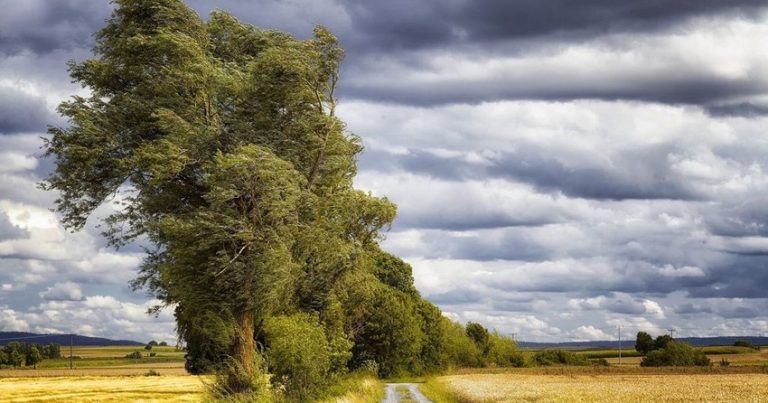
[561, 167]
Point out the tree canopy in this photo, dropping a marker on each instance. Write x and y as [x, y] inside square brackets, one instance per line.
[219, 143]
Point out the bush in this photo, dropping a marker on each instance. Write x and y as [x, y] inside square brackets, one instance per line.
[724, 362]
[676, 354]
[136, 355]
[152, 354]
[460, 350]
[151, 372]
[558, 357]
[502, 352]
[298, 355]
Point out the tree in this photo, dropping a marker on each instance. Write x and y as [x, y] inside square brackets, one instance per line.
[391, 335]
[163, 344]
[33, 356]
[149, 346]
[644, 343]
[223, 144]
[479, 335]
[662, 341]
[676, 354]
[52, 351]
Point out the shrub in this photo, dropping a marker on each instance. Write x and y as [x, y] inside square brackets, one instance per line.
[724, 362]
[460, 350]
[676, 354]
[152, 372]
[136, 355]
[298, 355]
[502, 352]
[745, 343]
[152, 354]
[558, 357]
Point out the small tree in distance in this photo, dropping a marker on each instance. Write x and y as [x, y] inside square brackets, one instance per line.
[644, 343]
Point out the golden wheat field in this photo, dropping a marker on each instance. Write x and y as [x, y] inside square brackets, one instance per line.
[608, 388]
[109, 389]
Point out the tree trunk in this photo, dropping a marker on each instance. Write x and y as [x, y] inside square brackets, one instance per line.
[245, 365]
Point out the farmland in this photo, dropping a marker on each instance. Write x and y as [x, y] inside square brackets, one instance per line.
[646, 386]
[176, 388]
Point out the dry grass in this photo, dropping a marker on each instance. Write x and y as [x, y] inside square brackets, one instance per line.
[608, 388]
[102, 389]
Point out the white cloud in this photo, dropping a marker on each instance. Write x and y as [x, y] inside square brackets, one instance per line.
[67, 291]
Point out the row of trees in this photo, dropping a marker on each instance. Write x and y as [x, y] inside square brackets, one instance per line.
[16, 354]
[223, 142]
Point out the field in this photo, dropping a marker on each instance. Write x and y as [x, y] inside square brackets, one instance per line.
[102, 389]
[111, 361]
[103, 374]
[607, 387]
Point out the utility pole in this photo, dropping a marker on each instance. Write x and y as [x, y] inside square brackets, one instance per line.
[619, 345]
[513, 334]
[672, 332]
[71, 336]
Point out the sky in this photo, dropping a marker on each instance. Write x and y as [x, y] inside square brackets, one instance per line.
[561, 167]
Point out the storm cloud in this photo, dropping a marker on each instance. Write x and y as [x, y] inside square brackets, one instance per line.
[561, 168]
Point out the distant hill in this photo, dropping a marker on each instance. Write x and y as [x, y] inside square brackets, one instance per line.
[63, 339]
[694, 341]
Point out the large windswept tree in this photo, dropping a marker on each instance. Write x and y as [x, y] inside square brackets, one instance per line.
[222, 143]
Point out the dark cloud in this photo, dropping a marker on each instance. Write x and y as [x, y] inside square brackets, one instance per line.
[42, 26]
[643, 174]
[407, 24]
[21, 112]
[741, 110]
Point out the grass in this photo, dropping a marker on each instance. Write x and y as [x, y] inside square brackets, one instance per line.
[356, 388]
[438, 392]
[514, 387]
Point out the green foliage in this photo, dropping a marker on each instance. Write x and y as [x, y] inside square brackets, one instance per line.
[502, 352]
[644, 343]
[479, 335]
[559, 357]
[52, 351]
[298, 355]
[33, 356]
[662, 341]
[221, 143]
[676, 354]
[136, 355]
[390, 335]
[460, 349]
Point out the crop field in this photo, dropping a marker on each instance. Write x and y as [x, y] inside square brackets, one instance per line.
[105, 361]
[515, 387]
[103, 389]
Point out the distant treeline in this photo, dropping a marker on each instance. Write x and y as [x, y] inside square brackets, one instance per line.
[64, 339]
[16, 354]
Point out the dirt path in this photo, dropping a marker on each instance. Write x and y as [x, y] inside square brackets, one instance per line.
[404, 392]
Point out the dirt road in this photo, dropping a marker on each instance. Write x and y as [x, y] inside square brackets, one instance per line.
[404, 392]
